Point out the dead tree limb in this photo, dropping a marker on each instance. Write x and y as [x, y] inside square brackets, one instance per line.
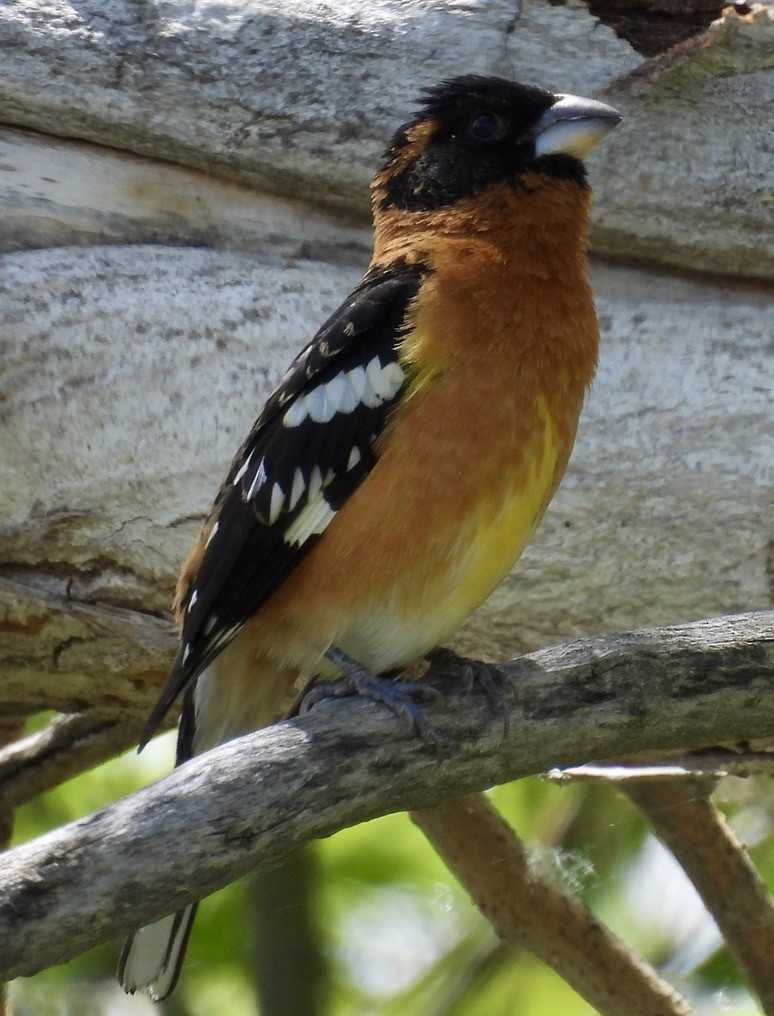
[253, 800]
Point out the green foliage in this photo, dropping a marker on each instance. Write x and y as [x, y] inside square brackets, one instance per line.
[399, 936]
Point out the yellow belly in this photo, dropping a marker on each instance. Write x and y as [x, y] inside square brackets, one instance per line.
[479, 554]
[493, 540]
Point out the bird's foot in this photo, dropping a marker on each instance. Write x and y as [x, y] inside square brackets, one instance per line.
[491, 679]
[399, 696]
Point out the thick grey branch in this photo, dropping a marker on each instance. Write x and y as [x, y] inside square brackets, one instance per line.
[251, 801]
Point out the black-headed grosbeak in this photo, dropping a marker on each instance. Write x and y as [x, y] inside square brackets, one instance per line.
[406, 457]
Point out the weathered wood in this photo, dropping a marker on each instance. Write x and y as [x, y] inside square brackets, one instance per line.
[300, 104]
[252, 800]
[55, 646]
[690, 177]
[55, 192]
[131, 376]
[108, 463]
[294, 100]
[658, 26]
[10, 730]
[66, 747]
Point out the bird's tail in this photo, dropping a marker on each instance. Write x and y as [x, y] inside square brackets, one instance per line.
[153, 956]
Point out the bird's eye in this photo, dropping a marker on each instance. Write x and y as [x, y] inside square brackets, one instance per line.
[486, 127]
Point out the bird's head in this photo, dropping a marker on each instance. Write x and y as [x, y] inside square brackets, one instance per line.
[474, 131]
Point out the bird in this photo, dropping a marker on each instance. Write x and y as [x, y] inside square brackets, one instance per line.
[406, 457]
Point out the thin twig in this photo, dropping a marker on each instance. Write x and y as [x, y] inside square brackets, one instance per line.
[718, 865]
[525, 906]
[714, 764]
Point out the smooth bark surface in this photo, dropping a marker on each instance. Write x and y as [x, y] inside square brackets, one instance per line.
[294, 99]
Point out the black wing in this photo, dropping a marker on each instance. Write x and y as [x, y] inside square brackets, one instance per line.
[310, 448]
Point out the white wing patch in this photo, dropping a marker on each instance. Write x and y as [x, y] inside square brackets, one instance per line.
[311, 521]
[295, 414]
[335, 390]
[315, 484]
[347, 396]
[382, 379]
[277, 501]
[298, 488]
[359, 381]
[363, 387]
[243, 468]
[369, 386]
[258, 480]
[319, 406]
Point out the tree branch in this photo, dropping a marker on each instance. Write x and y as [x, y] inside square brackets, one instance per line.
[252, 800]
[714, 763]
[528, 908]
[716, 862]
[69, 745]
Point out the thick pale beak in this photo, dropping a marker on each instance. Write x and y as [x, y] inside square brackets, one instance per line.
[572, 126]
